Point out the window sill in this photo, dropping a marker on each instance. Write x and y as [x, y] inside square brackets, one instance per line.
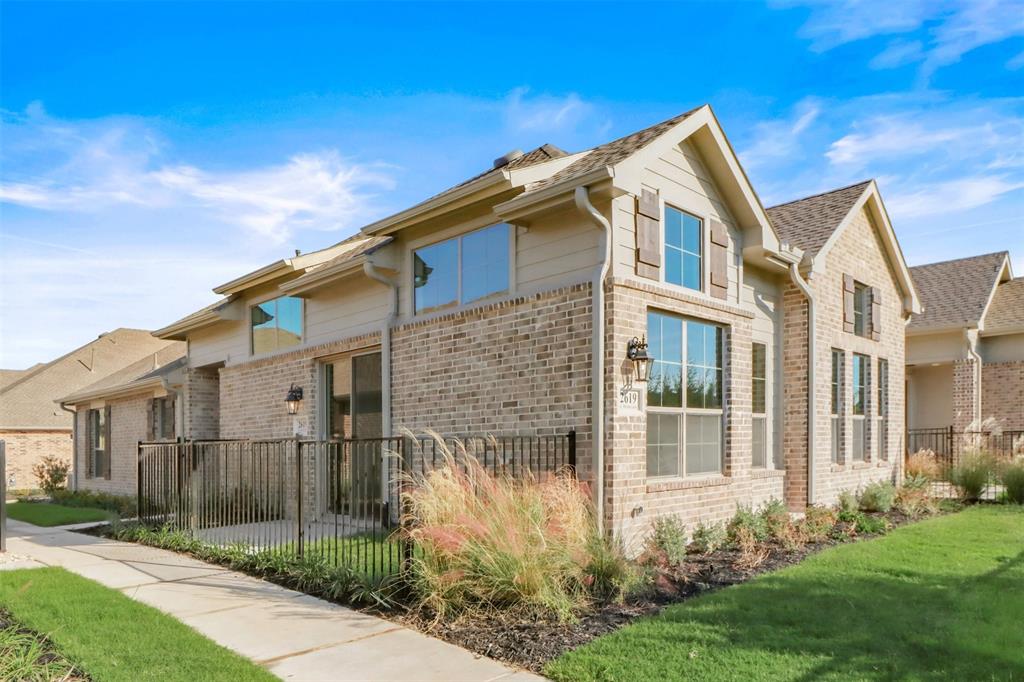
[687, 483]
[767, 473]
[852, 466]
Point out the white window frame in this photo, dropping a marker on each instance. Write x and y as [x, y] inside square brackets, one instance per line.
[705, 245]
[458, 237]
[836, 403]
[682, 412]
[860, 420]
[302, 322]
[862, 296]
[765, 416]
[882, 409]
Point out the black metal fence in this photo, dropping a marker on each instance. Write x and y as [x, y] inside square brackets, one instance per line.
[950, 447]
[336, 499]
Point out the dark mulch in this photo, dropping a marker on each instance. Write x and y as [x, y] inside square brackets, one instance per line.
[531, 642]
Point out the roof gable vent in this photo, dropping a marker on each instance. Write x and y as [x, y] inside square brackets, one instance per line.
[508, 158]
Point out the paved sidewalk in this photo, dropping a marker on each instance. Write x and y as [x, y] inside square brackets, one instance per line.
[295, 636]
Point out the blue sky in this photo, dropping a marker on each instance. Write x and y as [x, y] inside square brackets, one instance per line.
[151, 151]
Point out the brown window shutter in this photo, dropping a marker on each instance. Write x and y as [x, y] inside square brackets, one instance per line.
[89, 452]
[109, 446]
[876, 314]
[718, 260]
[848, 303]
[648, 235]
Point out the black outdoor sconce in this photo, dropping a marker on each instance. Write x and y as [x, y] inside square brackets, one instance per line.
[637, 352]
[293, 399]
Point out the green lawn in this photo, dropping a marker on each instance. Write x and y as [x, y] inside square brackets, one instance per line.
[47, 514]
[940, 599]
[111, 637]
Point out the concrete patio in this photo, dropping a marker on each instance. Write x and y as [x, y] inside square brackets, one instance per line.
[295, 636]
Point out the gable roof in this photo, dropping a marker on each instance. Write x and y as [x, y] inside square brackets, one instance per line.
[326, 272]
[610, 153]
[954, 293]
[28, 403]
[149, 370]
[808, 223]
[1006, 311]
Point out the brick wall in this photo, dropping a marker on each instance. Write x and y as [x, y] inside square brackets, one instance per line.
[251, 403]
[129, 423]
[201, 392]
[1002, 397]
[860, 253]
[26, 448]
[794, 395]
[964, 394]
[518, 367]
[632, 502]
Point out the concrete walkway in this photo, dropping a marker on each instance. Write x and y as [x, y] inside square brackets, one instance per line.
[295, 636]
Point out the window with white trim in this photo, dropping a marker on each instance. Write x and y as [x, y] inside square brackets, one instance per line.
[462, 269]
[163, 418]
[275, 324]
[761, 450]
[859, 406]
[882, 409]
[683, 248]
[684, 397]
[861, 309]
[837, 404]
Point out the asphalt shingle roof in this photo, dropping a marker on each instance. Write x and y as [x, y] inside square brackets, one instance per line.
[1006, 311]
[809, 222]
[954, 292]
[29, 401]
[168, 358]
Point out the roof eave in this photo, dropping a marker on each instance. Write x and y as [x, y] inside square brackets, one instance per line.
[319, 278]
[529, 203]
[264, 274]
[132, 387]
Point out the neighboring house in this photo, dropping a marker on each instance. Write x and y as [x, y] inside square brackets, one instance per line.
[136, 403]
[491, 306]
[965, 351]
[32, 425]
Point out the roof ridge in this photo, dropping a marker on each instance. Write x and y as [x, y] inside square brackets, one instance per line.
[953, 260]
[820, 194]
[680, 117]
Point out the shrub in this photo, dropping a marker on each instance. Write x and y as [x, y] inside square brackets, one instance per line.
[877, 497]
[51, 472]
[923, 464]
[847, 502]
[745, 525]
[488, 541]
[914, 501]
[972, 475]
[669, 539]
[817, 523]
[776, 519]
[872, 525]
[1012, 477]
[123, 505]
[707, 537]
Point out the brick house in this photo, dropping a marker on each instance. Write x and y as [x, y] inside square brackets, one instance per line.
[491, 307]
[136, 403]
[965, 351]
[32, 424]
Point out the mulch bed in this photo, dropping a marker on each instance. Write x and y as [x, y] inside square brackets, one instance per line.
[531, 642]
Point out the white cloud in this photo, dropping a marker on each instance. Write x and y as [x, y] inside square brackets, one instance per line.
[544, 113]
[88, 167]
[778, 139]
[951, 28]
[950, 196]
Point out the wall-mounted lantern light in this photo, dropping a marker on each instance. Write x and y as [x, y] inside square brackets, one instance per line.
[637, 352]
[293, 399]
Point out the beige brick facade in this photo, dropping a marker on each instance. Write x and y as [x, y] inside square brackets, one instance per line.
[1002, 397]
[964, 394]
[632, 501]
[26, 448]
[129, 424]
[201, 413]
[518, 367]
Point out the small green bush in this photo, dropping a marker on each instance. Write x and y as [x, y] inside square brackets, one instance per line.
[707, 537]
[52, 473]
[972, 475]
[871, 525]
[746, 525]
[847, 502]
[1013, 480]
[123, 505]
[877, 497]
[817, 523]
[776, 519]
[669, 539]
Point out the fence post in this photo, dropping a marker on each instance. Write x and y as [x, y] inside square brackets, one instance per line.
[572, 451]
[299, 484]
[406, 469]
[138, 480]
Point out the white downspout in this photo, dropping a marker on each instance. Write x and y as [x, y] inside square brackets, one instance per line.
[794, 274]
[582, 198]
[972, 340]
[385, 345]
